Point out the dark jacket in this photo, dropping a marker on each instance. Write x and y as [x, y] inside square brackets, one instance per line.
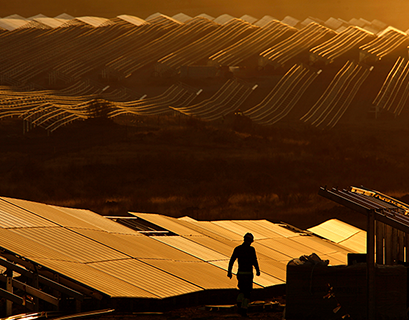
[247, 258]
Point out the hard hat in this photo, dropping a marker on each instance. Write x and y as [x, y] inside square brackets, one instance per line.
[248, 237]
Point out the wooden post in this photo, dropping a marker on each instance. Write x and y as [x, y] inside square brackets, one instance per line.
[407, 246]
[401, 241]
[394, 245]
[370, 264]
[388, 245]
[379, 242]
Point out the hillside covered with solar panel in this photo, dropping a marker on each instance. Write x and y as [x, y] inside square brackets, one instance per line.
[58, 70]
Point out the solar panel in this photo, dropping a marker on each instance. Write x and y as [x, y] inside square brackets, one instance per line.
[118, 261]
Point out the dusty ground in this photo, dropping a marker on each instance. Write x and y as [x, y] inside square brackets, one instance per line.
[273, 310]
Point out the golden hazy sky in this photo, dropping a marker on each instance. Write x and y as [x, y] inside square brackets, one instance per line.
[392, 12]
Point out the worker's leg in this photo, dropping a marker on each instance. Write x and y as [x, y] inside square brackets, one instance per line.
[245, 285]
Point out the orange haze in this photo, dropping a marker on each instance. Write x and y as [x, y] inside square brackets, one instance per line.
[392, 12]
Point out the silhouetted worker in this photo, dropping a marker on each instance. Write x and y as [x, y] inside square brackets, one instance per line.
[247, 258]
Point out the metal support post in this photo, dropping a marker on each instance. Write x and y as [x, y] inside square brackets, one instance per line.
[9, 288]
[370, 264]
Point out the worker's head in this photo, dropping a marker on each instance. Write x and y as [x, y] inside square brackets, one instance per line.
[248, 237]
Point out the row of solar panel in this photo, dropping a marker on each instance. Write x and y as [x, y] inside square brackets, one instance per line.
[117, 261]
[43, 21]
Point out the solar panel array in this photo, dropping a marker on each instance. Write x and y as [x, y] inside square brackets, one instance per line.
[117, 261]
[66, 65]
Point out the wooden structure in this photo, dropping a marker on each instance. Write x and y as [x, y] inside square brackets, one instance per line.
[387, 228]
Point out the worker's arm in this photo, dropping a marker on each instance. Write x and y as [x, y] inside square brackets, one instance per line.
[256, 266]
[231, 262]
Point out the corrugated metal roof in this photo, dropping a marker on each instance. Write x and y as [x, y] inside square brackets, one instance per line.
[167, 223]
[99, 280]
[136, 246]
[67, 242]
[335, 230]
[201, 274]
[191, 248]
[146, 277]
